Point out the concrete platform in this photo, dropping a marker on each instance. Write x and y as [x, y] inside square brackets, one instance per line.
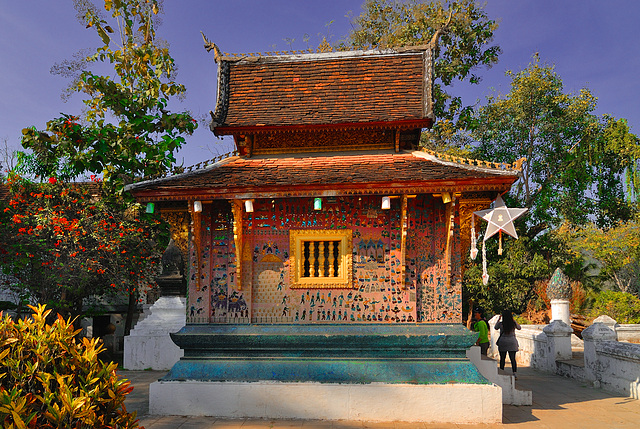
[557, 403]
[379, 402]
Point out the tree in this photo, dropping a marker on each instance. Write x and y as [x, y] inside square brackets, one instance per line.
[579, 168]
[65, 243]
[459, 33]
[616, 250]
[126, 130]
[7, 158]
[511, 278]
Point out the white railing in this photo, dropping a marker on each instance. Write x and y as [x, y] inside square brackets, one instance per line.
[611, 357]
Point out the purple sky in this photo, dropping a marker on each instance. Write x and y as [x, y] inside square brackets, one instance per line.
[593, 43]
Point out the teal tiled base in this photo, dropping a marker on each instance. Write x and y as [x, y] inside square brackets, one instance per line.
[358, 354]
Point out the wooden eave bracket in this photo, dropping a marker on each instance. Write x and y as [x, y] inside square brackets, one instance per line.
[419, 123]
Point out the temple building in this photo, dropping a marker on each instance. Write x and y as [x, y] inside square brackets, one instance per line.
[327, 249]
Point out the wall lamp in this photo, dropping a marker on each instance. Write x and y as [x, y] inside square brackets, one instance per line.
[248, 206]
[151, 207]
[197, 206]
[386, 203]
[317, 203]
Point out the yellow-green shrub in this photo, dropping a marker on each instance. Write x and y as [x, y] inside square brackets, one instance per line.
[48, 379]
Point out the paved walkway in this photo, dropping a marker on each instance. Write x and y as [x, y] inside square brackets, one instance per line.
[557, 403]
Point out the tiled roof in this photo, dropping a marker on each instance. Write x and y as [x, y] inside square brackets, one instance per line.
[322, 171]
[323, 89]
[4, 192]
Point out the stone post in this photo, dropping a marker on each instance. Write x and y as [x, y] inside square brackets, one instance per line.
[609, 323]
[494, 334]
[560, 310]
[559, 291]
[558, 343]
[596, 333]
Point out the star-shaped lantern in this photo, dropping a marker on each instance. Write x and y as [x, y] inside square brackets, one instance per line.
[500, 218]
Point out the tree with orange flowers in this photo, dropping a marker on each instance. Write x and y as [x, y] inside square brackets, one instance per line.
[127, 129]
[92, 244]
[65, 242]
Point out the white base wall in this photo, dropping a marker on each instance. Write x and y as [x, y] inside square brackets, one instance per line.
[451, 403]
[489, 370]
[155, 352]
[149, 344]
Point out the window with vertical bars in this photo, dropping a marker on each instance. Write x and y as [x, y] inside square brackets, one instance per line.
[321, 258]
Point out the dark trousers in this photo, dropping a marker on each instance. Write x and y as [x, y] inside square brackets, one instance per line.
[512, 359]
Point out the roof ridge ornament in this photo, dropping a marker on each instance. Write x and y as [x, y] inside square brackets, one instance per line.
[515, 166]
[322, 50]
[209, 45]
[181, 170]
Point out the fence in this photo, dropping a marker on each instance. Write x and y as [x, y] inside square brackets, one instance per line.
[611, 358]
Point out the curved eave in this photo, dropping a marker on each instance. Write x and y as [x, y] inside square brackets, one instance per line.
[255, 129]
[499, 184]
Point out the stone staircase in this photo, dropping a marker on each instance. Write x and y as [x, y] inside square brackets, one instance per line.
[489, 370]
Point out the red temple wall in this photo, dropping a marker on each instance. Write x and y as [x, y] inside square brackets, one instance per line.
[431, 292]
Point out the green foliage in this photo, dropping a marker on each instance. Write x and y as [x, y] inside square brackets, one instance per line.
[511, 277]
[65, 242]
[50, 380]
[579, 168]
[126, 130]
[576, 163]
[621, 306]
[521, 320]
[460, 32]
[616, 250]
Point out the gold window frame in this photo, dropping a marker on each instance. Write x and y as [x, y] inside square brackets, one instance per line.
[345, 275]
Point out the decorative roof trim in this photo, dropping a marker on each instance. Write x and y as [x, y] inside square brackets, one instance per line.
[193, 170]
[471, 164]
[389, 188]
[222, 97]
[288, 56]
[427, 95]
[255, 129]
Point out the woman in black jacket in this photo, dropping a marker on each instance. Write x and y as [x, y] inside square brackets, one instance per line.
[507, 342]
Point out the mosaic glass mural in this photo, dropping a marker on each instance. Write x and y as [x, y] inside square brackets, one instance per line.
[431, 290]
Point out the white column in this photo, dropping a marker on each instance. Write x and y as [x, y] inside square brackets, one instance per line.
[560, 310]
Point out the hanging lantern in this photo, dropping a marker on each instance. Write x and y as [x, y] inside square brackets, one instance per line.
[474, 242]
[500, 218]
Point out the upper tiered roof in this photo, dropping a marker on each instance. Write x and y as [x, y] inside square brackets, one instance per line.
[363, 89]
